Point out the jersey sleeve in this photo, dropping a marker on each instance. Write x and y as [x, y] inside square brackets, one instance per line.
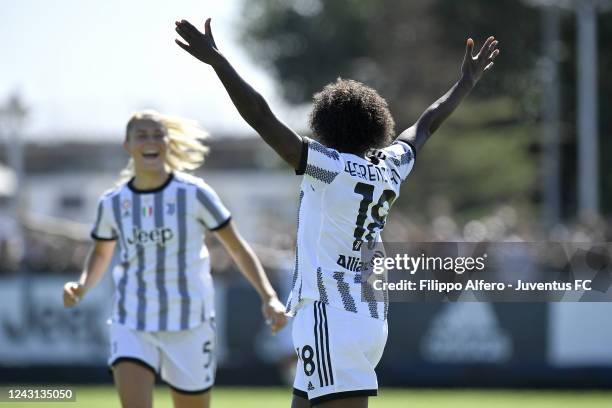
[104, 226]
[319, 164]
[400, 156]
[211, 212]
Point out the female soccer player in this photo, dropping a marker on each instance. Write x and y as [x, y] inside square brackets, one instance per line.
[163, 315]
[352, 174]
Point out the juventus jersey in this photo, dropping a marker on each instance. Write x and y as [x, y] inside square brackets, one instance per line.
[344, 201]
[163, 281]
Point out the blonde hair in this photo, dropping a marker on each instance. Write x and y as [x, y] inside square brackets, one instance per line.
[185, 150]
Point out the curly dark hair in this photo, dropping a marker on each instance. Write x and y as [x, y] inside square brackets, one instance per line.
[351, 117]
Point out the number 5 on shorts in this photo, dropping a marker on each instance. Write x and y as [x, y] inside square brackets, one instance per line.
[207, 350]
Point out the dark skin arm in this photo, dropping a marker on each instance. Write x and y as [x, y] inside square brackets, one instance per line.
[250, 104]
[472, 69]
[256, 112]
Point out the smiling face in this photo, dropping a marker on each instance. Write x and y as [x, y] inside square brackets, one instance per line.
[147, 144]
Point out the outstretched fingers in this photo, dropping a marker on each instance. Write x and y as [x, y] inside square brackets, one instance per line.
[186, 30]
[491, 57]
[492, 46]
[183, 45]
[191, 34]
[484, 51]
[180, 30]
[207, 29]
[191, 28]
[208, 32]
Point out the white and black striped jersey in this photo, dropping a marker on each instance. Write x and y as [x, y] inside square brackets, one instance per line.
[344, 201]
[163, 281]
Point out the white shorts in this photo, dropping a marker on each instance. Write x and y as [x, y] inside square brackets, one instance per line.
[337, 353]
[184, 359]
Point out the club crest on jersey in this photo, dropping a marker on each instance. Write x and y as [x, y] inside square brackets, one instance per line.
[158, 236]
[170, 208]
[126, 206]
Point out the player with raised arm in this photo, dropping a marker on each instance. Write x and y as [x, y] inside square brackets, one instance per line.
[163, 312]
[353, 168]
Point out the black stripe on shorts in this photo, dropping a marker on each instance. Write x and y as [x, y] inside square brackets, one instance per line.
[321, 333]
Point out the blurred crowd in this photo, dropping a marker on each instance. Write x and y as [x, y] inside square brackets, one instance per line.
[42, 245]
[502, 225]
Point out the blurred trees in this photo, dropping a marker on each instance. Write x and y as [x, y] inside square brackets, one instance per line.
[307, 43]
[411, 52]
[406, 50]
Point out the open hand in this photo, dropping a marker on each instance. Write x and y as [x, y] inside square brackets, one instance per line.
[201, 46]
[474, 66]
[73, 293]
[274, 313]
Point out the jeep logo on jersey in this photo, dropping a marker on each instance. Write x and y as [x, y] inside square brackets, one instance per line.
[157, 236]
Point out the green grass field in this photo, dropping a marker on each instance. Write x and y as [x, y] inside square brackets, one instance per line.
[223, 397]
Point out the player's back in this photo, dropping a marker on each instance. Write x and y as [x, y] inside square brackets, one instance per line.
[344, 202]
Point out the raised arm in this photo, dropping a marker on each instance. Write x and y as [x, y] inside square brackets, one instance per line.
[250, 104]
[472, 69]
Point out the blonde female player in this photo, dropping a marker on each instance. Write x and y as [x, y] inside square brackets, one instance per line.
[163, 314]
[352, 174]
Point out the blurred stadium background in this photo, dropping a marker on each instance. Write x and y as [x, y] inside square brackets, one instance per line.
[525, 159]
